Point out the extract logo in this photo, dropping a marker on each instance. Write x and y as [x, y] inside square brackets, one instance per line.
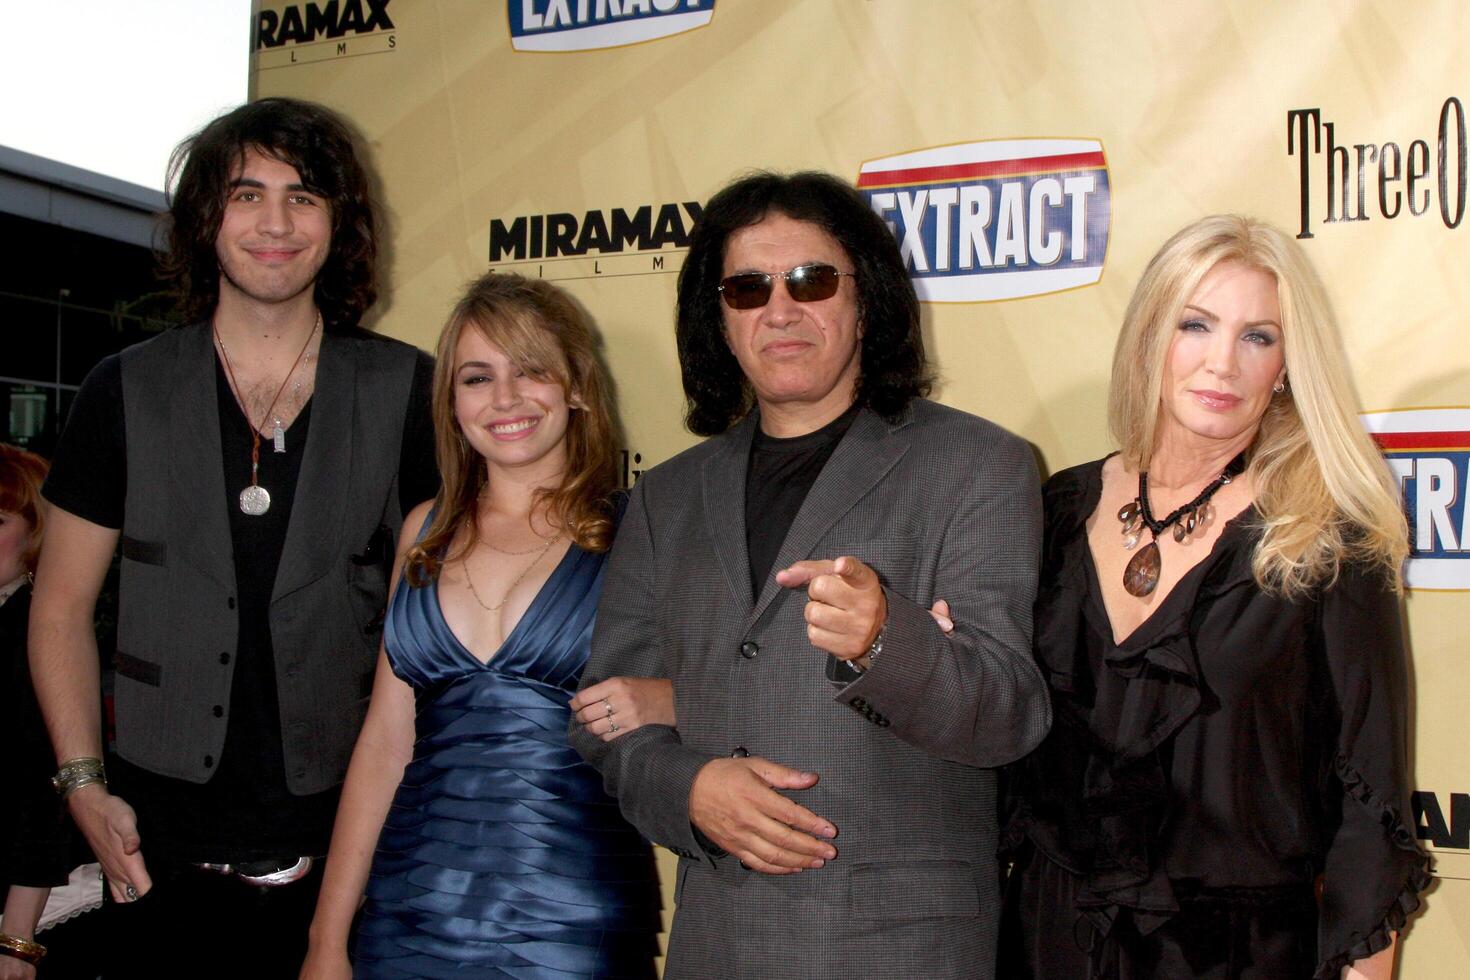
[1429, 451]
[996, 220]
[585, 25]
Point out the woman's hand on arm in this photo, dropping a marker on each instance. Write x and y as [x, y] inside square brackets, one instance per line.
[618, 705]
[940, 612]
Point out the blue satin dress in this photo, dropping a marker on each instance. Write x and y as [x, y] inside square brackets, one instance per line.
[501, 855]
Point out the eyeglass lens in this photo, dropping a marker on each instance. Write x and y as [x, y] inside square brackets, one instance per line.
[805, 283]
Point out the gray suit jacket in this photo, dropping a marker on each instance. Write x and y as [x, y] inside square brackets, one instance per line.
[942, 505]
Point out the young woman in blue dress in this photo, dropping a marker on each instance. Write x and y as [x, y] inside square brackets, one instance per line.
[476, 840]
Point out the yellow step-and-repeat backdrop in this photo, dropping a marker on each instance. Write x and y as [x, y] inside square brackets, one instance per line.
[1029, 156]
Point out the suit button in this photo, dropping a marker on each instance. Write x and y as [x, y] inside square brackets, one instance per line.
[219, 711]
[209, 762]
[740, 753]
[750, 649]
[224, 658]
[231, 602]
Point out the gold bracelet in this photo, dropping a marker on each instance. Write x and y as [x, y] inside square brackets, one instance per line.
[21, 949]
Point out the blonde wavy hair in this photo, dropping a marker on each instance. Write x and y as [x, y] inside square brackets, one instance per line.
[549, 337]
[1322, 489]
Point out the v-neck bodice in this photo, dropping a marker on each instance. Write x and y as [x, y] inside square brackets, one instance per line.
[548, 645]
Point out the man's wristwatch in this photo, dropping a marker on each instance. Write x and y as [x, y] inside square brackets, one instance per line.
[875, 648]
[76, 773]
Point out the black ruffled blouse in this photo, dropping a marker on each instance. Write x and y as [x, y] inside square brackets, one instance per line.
[1236, 747]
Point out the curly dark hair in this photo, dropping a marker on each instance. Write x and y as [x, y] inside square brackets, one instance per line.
[893, 370]
[324, 150]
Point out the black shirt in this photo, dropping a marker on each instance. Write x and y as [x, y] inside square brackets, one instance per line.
[779, 476]
[245, 810]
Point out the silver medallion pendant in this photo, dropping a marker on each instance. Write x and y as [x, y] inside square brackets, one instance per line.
[255, 500]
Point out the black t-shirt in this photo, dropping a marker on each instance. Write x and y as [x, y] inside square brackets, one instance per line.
[245, 811]
[777, 479]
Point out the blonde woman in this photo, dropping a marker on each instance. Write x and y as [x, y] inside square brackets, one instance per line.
[1224, 792]
[485, 846]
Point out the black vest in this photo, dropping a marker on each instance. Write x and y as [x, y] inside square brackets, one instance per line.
[177, 624]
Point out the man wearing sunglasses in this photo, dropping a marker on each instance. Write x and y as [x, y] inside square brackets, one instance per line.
[828, 787]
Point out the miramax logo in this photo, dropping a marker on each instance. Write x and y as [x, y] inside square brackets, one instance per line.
[303, 33]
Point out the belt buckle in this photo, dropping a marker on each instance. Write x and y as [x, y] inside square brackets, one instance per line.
[272, 879]
[283, 876]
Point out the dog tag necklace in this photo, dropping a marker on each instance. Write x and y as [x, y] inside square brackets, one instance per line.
[1141, 576]
[256, 499]
[278, 431]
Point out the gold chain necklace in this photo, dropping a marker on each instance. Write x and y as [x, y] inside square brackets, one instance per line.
[469, 579]
[519, 554]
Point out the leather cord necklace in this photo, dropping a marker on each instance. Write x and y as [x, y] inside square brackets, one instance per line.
[256, 499]
[1141, 576]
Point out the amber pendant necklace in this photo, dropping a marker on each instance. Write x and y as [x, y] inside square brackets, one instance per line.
[1141, 576]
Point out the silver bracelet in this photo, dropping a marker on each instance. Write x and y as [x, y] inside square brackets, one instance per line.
[76, 773]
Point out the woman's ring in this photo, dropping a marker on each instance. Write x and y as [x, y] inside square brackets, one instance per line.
[130, 892]
[609, 707]
[612, 726]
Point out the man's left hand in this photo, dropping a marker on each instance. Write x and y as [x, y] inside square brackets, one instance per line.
[845, 607]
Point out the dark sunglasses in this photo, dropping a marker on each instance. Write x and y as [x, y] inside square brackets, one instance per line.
[805, 283]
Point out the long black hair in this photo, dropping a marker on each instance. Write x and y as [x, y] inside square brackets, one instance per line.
[324, 150]
[892, 371]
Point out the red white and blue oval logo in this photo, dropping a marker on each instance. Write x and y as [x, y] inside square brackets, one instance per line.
[1429, 451]
[996, 220]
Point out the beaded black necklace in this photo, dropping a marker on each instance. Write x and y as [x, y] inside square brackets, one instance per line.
[1141, 576]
